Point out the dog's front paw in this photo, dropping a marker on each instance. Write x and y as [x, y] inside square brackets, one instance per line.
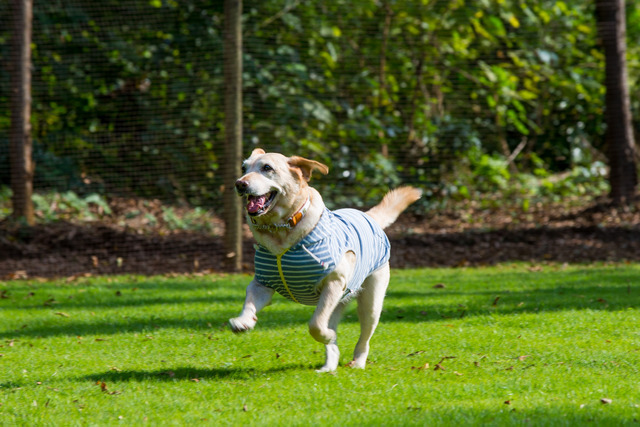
[241, 324]
[332, 358]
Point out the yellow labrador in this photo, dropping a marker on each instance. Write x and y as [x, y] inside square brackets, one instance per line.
[312, 255]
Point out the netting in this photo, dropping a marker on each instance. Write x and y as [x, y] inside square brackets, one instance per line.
[128, 117]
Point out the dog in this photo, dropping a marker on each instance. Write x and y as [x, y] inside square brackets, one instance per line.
[312, 255]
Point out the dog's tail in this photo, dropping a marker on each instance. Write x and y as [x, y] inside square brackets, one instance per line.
[393, 203]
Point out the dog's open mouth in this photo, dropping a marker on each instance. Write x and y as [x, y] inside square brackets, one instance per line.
[258, 205]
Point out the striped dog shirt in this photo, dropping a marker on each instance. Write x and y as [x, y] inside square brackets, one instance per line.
[296, 273]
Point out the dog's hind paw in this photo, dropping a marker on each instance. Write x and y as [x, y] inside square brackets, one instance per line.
[357, 365]
[238, 324]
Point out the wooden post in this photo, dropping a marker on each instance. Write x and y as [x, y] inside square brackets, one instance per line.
[233, 131]
[623, 175]
[20, 147]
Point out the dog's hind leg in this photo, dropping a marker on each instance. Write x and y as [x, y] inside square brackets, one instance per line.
[370, 301]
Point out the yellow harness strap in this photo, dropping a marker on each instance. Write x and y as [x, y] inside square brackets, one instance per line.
[284, 282]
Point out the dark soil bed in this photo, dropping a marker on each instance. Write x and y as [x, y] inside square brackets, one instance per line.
[465, 236]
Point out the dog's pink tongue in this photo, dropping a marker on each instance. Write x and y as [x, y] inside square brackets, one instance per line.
[255, 203]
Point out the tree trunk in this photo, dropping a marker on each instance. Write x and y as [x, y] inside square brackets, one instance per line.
[22, 166]
[233, 130]
[610, 15]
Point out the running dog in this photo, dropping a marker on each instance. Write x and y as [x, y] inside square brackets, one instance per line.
[314, 256]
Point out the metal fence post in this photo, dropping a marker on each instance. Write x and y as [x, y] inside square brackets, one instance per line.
[22, 166]
[233, 130]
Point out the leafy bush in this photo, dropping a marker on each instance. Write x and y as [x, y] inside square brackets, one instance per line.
[581, 180]
[70, 206]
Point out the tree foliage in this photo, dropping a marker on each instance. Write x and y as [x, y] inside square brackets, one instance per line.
[128, 95]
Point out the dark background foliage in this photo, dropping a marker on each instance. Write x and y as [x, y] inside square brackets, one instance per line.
[127, 96]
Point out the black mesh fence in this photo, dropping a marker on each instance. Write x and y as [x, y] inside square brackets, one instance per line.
[461, 98]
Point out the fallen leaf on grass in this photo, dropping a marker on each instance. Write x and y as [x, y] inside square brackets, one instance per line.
[495, 301]
[421, 368]
[439, 286]
[62, 314]
[439, 364]
[415, 353]
[75, 277]
[521, 358]
[606, 401]
[19, 274]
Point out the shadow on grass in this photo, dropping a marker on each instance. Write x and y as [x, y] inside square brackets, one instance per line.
[576, 290]
[189, 374]
[509, 302]
[125, 292]
[123, 301]
[150, 324]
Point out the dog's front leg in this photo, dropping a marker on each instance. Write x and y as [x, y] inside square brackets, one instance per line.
[321, 326]
[324, 323]
[258, 297]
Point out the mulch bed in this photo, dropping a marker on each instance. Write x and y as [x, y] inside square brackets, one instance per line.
[465, 236]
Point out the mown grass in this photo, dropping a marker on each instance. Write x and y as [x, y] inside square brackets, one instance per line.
[513, 344]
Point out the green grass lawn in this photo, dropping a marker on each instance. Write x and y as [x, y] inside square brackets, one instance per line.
[513, 344]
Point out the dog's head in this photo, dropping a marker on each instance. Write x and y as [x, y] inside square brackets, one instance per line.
[275, 184]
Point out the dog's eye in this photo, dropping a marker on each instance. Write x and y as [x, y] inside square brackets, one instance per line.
[267, 168]
[243, 168]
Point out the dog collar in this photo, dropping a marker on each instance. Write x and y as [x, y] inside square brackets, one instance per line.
[291, 222]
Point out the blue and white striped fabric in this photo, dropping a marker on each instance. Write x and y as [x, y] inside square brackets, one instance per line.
[296, 273]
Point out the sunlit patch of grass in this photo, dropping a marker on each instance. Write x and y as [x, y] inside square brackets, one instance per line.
[513, 344]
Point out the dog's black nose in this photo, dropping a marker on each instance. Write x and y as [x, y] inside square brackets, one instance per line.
[241, 186]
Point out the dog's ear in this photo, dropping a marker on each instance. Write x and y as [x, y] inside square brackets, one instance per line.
[257, 151]
[306, 166]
